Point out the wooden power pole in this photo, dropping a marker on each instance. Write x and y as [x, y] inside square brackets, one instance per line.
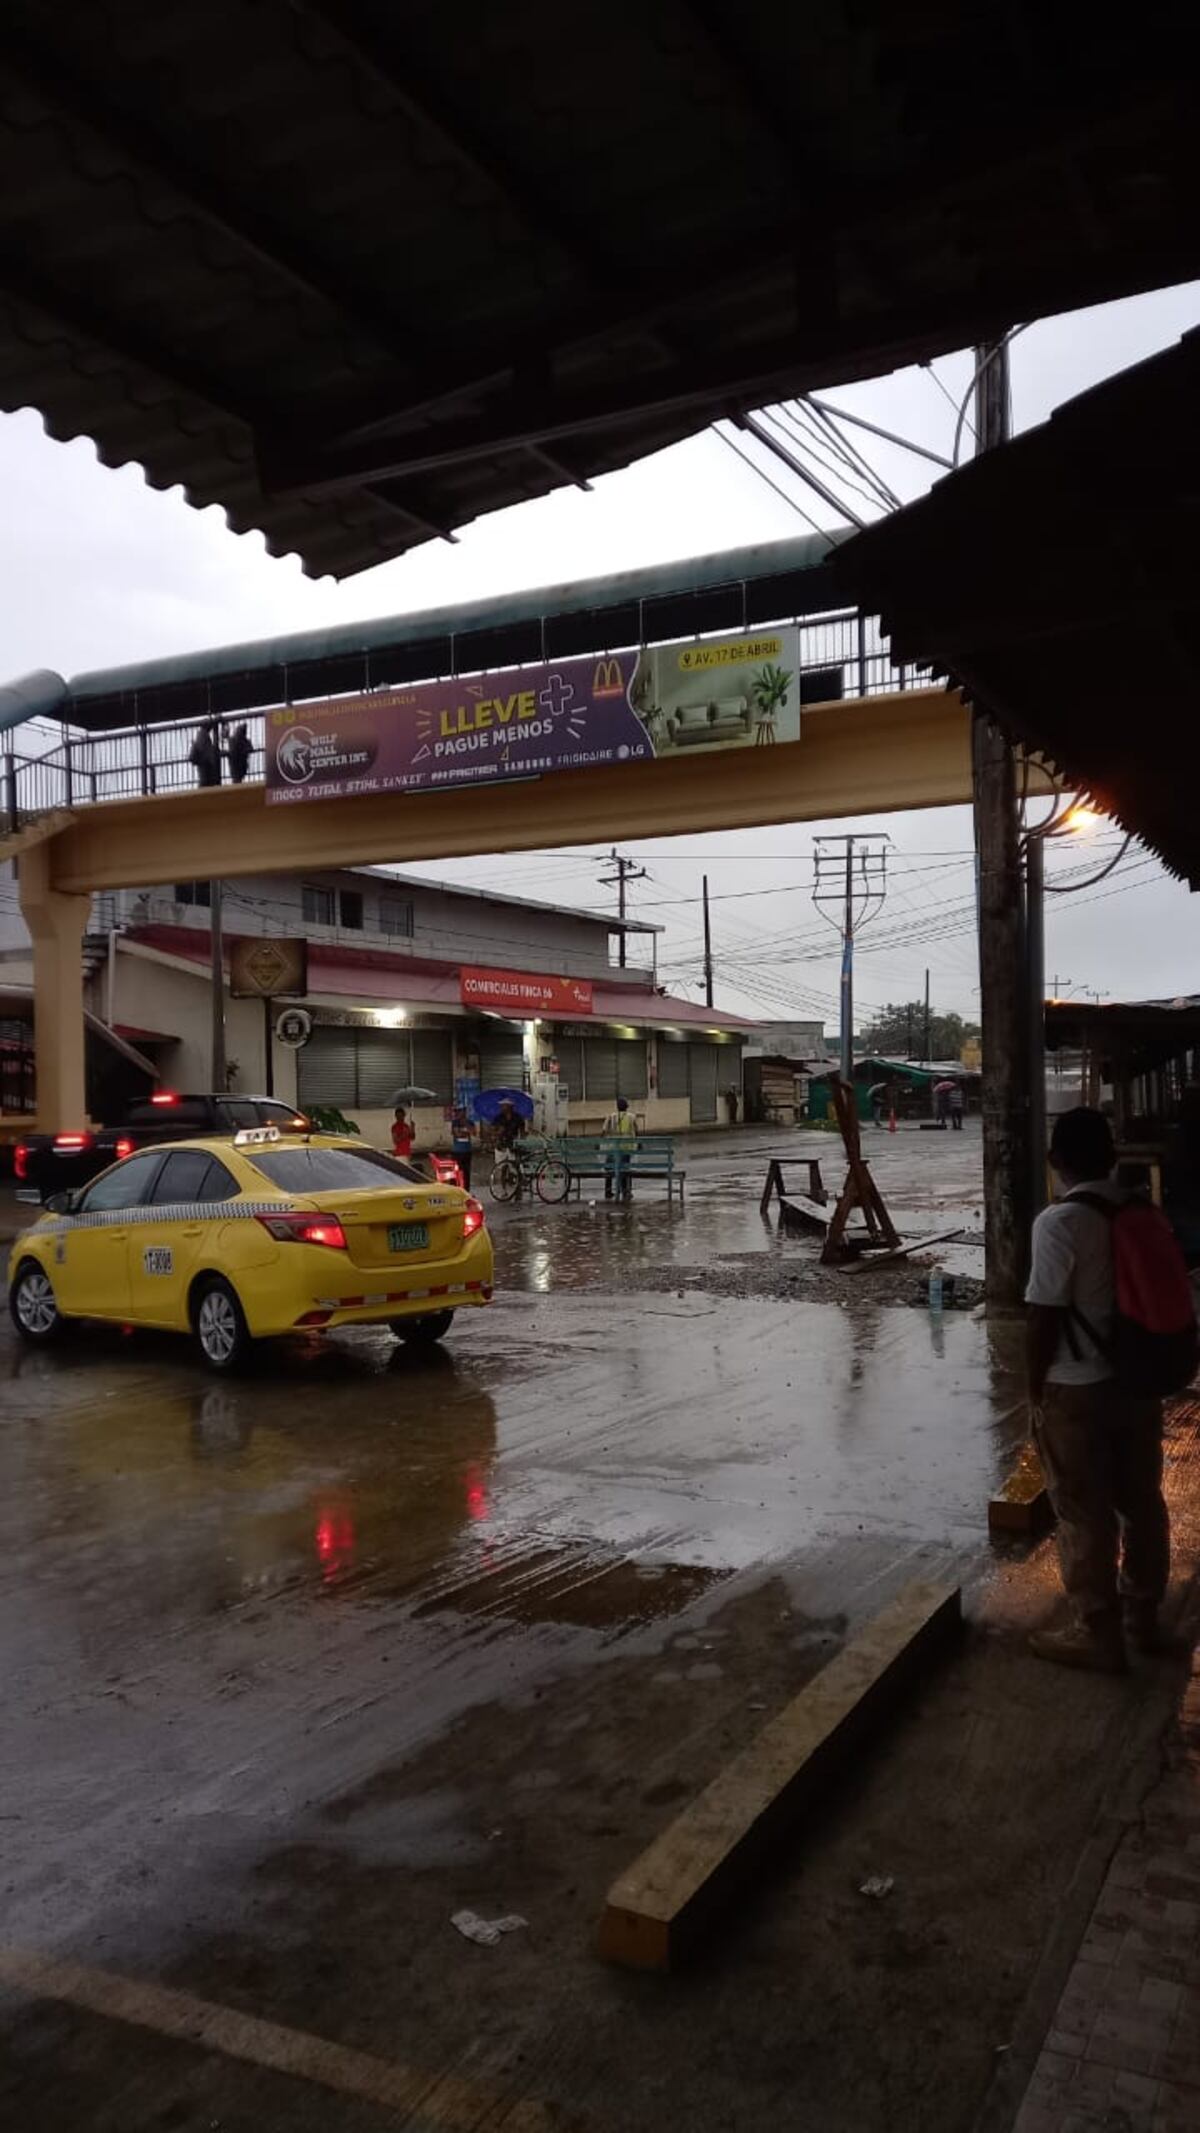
[708, 962]
[1006, 1158]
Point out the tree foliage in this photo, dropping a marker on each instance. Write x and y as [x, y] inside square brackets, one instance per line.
[898, 1030]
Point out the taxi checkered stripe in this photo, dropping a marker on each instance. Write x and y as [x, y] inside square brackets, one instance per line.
[179, 1211]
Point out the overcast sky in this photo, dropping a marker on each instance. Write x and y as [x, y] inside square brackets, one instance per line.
[98, 569]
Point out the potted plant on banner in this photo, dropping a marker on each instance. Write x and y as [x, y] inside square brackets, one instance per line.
[768, 691]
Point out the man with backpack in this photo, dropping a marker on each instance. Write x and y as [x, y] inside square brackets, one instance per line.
[1112, 1328]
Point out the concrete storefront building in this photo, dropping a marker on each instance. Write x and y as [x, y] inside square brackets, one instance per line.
[411, 982]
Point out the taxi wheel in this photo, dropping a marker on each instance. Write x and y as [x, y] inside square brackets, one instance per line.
[423, 1332]
[220, 1325]
[34, 1306]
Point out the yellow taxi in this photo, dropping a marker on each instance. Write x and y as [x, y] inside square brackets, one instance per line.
[243, 1239]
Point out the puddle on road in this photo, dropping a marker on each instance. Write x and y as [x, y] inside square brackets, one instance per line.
[583, 1587]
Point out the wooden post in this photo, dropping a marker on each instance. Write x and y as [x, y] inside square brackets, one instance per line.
[1005, 1072]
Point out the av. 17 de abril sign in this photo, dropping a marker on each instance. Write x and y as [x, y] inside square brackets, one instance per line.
[694, 698]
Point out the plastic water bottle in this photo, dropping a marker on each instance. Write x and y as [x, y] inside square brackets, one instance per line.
[935, 1289]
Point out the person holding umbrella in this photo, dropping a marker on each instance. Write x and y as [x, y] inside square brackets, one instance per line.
[403, 1135]
[510, 1126]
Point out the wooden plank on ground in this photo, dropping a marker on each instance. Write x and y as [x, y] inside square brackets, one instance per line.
[901, 1251]
[798, 1214]
[1023, 1505]
[662, 1904]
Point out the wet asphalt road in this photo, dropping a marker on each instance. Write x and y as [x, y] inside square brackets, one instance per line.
[219, 1598]
[227, 1606]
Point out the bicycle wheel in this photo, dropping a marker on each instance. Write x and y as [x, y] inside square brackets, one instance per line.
[505, 1181]
[553, 1179]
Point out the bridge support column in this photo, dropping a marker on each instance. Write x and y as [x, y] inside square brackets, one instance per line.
[56, 919]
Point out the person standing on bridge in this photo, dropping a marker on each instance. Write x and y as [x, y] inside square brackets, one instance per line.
[238, 753]
[205, 755]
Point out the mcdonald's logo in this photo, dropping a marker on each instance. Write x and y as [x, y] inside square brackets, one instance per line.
[608, 679]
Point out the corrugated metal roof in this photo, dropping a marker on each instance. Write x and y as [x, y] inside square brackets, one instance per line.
[357, 274]
[734, 589]
[1055, 580]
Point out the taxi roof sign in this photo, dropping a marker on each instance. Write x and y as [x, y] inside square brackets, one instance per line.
[256, 1136]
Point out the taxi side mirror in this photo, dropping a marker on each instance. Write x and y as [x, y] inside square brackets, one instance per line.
[59, 1203]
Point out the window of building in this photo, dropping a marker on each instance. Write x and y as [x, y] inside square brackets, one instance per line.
[396, 916]
[318, 905]
[194, 892]
[350, 905]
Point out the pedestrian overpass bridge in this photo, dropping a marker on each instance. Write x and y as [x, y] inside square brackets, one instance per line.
[114, 804]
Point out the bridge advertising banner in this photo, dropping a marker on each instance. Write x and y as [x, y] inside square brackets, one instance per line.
[695, 698]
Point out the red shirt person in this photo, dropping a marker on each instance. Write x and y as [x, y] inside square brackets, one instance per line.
[403, 1135]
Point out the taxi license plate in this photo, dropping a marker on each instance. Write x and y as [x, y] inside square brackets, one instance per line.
[408, 1237]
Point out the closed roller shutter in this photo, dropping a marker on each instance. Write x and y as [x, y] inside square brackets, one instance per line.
[600, 1070]
[501, 1060]
[703, 1060]
[569, 1053]
[672, 1068]
[384, 1065]
[631, 1069]
[433, 1062]
[325, 1069]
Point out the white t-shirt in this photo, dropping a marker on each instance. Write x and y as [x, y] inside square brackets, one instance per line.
[1073, 1264]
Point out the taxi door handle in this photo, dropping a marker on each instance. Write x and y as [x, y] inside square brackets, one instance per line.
[193, 1229]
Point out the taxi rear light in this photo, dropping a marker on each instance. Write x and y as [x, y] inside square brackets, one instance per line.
[473, 1218]
[306, 1229]
[124, 1147]
[20, 1160]
[68, 1142]
[164, 1096]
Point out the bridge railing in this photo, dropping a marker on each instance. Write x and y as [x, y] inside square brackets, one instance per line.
[842, 655]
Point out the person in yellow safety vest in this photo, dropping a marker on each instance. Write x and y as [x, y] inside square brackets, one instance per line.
[620, 1129]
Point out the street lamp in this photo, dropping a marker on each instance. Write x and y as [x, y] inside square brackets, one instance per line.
[1077, 819]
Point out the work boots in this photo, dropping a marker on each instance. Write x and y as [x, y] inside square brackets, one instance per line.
[1094, 1645]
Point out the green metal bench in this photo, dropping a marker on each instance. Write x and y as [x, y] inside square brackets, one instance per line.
[652, 1155]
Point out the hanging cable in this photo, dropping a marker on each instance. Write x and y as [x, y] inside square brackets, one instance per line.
[849, 450]
[764, 476]
[1068, 888]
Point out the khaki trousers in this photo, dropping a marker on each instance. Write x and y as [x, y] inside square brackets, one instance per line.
[1101, 1454]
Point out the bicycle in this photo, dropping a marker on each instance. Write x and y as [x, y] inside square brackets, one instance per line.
[533, 1167]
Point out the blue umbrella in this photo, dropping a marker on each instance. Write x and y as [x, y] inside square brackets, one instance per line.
[487, 1104]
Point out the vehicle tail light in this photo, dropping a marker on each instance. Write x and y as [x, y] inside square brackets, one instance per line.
[306, 1229]
[69, 1142]
[164, 1096]
[20, 1160]
[124, 1147]
[473, 1218]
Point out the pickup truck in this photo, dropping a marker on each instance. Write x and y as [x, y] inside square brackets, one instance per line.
[47, 1163]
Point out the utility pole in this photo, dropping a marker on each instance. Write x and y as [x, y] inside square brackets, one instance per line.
[218, 991]
[708, 967]
[842, 882]
[626, 872]
[928, 1051]
[1003, 1012]
[1035, 965]
[1056, 986]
